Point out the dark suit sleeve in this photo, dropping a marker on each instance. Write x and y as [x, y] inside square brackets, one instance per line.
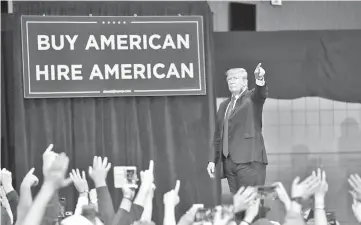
[13, 199]
[105, 205]
[124, 217]
[217, 138]
[260, 93]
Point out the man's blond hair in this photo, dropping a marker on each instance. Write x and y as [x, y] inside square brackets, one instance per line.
[236, 71]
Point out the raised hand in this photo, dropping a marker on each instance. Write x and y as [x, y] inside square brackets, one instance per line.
[355, 183]
[259, 72]
[322, 188]
[79, 181]
[128, 192]
[6, 180]
[147, 176]
[356, 208]
[243, 198]
[283, 195]
[54, 176]
[48, 158]
[305, 188]
[99, 171]
[171, 198]
[30, 180]
[252, 211]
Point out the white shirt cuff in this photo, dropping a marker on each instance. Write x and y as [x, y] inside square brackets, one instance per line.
[82, 201]
[260, 82]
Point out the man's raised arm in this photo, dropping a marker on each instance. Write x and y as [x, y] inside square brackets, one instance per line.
[261, 91]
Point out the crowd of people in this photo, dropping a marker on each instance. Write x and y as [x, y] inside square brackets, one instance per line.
[95, 207]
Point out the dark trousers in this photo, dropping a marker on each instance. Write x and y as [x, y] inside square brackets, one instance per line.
[243, 174]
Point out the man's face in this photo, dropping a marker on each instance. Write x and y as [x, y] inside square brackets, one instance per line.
[236, 82]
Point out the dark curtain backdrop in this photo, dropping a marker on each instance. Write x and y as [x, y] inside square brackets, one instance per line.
[175, 132]
[298, 63]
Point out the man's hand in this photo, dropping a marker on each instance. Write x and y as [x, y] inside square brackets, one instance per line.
[171, 198]
[210, 169]
[99, 171]
[305, 188]
[147, 176]
[283, 195]
[259, 72]
[252, 211]
[30, 180]
[356, 208]
[243, 198]
[7, 180]
[48, 158]
[322, 188]
[128, 192]
[79, 181]
[355, 183]
[54, 176]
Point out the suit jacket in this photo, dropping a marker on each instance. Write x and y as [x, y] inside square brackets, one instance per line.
[245, 140]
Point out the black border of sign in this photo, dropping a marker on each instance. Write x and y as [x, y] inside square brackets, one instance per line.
[203, 83]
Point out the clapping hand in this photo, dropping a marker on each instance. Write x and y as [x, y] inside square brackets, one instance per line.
[283, 195]
[252, 210]
[322, 188]
[243, 198]
[356, 208]
[355, 183]
[305, 188]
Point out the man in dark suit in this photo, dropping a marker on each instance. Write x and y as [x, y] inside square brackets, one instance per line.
[238, 139]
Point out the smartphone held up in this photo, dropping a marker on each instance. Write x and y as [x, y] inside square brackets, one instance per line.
[125, 176]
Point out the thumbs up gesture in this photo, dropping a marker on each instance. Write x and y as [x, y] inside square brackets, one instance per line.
[259, 72]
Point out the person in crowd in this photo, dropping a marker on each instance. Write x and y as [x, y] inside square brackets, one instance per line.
[6, 205]
[81, 185]
[135, 210]
[5, 218]
[355, 183]
[238, 140]
[9, 196]
[26, 198]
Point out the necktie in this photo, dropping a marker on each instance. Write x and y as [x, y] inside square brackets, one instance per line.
[225, 126]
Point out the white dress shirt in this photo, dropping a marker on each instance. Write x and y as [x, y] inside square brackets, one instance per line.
[258, 82]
